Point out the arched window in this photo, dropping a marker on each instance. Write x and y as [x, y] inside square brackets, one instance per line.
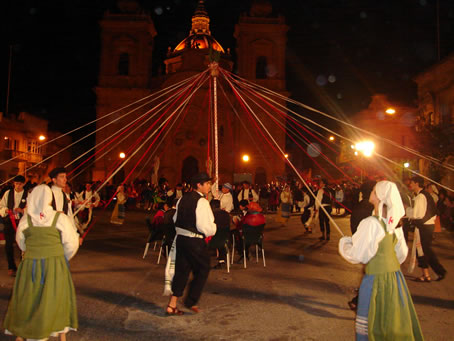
[260, 68]
[123, 64]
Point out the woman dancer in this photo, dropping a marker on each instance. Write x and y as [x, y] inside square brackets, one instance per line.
[43, 303]
[385, 308]
[118, 214]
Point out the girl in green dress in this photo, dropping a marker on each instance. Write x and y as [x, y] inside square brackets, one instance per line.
[385, 308]
[43, 303]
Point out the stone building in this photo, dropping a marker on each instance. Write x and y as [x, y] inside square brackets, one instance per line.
[436, 116]
[125, 77]
[391, 121]
[22, 137]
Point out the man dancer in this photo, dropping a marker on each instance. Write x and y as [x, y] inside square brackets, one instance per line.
[324, 198]
[12, 208]
[88, 199]
[422, 215]
[60, 200]
[248, 193]
[194, 221]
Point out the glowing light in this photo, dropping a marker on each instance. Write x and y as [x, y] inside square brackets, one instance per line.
[245, 158]
[286, 156]
[5, 138]
[41, 137]
[331, 138]
[122, 155]
[390, 111]
[352, 146]
[356, 153]
[365, 147]
[407, 164]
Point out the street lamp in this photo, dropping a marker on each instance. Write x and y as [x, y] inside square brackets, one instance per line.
[245, 158]
[122, 155]
[365, 147]
[286, 156]
[390, 111]
[41, 137]
[331, 138]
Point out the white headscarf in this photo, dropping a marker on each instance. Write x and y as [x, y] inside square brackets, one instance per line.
[389, 195]
[39, 206]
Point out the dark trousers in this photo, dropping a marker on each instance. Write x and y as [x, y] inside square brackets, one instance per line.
[324, 220]
[305, 216]
[429, 258]
[10, 237]
[192, 255]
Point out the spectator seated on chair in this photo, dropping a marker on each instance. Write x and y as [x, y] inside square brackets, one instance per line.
[221, 238]
[253, 218]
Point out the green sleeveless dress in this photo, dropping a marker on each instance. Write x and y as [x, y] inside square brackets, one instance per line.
[385, 308]
[44, 299]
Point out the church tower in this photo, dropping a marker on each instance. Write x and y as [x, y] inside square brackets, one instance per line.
[125, 67]
[261, 42]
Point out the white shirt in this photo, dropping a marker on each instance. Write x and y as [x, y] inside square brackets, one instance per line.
[58, 195]
[226, 199]
[418, 211]
[363, 245]
[203, 215]
[255, 196]
[87, 200]
[4, 201]
[69, 236]
[318, 202]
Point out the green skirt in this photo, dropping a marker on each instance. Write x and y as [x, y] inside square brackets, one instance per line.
[43, 301]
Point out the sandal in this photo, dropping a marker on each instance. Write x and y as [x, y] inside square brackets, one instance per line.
[173, 311]
[423, 279]
[195, 309]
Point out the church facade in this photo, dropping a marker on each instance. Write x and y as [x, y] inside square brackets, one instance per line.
[125, 77]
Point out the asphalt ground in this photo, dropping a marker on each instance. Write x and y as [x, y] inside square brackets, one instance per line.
[301, 294]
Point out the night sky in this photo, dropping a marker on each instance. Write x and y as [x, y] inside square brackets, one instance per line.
[339, 52]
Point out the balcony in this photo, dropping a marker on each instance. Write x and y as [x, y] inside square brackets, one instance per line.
[20, 156]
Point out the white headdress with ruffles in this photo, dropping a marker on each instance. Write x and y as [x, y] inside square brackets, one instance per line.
[389, 195]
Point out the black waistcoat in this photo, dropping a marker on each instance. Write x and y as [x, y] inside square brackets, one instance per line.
[65, 202]
[186, 217]
[431, 210]
[23, 201]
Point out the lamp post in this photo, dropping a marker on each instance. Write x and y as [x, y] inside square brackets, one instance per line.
[364, 149]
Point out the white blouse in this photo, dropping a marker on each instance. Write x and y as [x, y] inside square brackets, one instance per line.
[363, 245]
[69, 236]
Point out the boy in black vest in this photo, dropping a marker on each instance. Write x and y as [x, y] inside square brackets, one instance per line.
[422, 215]
[12, 208]
[194, 221]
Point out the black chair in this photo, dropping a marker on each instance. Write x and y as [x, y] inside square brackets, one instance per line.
[154, 235]
[253, 235]
[221, 240]
[167, 240]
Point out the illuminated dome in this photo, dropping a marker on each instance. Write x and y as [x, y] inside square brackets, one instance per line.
[199, 41]
[200, 35]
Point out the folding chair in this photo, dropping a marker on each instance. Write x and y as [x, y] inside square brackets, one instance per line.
[221, 240]
[167, 240]
[153, 236]
[253, 235]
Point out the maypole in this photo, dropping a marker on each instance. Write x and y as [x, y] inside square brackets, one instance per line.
[214, 74]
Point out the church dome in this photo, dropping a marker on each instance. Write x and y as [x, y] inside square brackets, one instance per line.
[199, 41]
[200, 35]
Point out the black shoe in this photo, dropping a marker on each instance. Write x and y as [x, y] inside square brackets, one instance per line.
[441, 277]
[322, 238]
[220, 265]
[327, 237]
